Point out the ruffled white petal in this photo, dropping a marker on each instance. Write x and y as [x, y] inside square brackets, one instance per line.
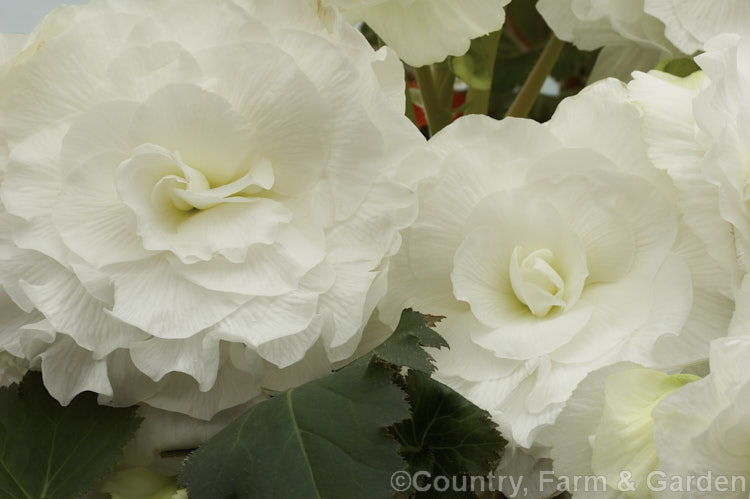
[427, 31]
[690, 23]
[150, 295]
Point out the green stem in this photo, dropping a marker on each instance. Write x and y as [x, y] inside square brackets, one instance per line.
[542, 69]
[478, 100]
[436, 86]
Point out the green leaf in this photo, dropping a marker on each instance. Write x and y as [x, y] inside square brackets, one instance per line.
[678, 67]
[324, 439]
[413, 331]
[474, 67]
[447, 435]
[55, 452]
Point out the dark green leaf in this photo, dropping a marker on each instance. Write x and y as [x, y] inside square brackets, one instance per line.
[55, 452]
[325, 439]
[403, 347]
[447, 435]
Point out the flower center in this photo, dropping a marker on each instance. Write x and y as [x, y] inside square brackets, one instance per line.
[535, 281]
[174, 204]
[157, 180]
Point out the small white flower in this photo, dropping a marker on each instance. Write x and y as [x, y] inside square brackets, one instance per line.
[606, 429]
[553, 251]
[198, 197]
[427, 31]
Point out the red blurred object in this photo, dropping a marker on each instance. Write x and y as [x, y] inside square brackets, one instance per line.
[459, 98]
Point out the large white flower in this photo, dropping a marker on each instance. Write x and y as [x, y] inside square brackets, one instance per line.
[199, 195]
[606, 430]
[703, 427]
[691, 23]
[427, 31]
[553, 251]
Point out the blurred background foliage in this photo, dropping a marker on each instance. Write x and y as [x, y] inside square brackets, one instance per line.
[520, 45]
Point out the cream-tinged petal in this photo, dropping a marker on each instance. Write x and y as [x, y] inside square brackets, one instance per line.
[32, 179]
[296, 121]
[701, 427]
[43, 92]
[140, 71]
[484, 365]
[201, 126]
[150, 295]
[68, 369]
[676, 146]
[179, 393]
[67, 305]
[101, 131]
[629, 398]
[263, 321]
[571, 449]
[621, 61]
[690, 23]
[605, 23]
[91, 220]
[197, 356]
[14, 319]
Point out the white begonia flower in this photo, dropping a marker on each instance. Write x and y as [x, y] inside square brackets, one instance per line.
[703, 427]
[691, 23]
[607, 430]
[427, 31]
[697, 131]
[553, 251]
[199, 195]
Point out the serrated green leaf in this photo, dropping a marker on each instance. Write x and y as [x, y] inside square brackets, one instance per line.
[403, 347]
[55, 452]
[447, 435]
[325, 439]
